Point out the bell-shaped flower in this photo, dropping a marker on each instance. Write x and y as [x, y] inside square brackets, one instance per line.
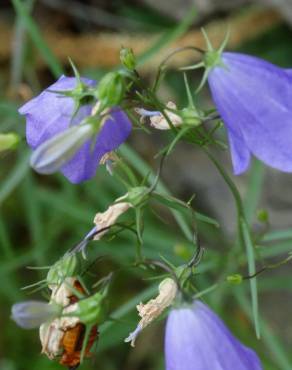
[197, 339]
[254, 99]
[52, 132]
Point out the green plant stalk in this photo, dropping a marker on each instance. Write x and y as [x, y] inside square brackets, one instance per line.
[244, 238]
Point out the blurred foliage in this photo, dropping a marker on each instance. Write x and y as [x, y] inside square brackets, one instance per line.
[42, 217]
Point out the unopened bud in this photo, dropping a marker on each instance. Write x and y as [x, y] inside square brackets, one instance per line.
[111, 89]
[67, 266]
[190, 117]
[263, 216]
[127, 58]
[234, 279]
[8, 141]
[89, 310]
[137, 195]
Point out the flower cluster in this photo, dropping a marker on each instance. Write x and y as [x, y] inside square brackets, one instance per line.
[76, 124]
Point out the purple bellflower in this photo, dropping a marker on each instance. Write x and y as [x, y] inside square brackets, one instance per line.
[197, 339]
[59, 142]
[254, 99]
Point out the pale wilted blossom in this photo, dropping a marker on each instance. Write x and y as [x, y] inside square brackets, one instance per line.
[154, 308]
[157, 119]
[104, 220]
[52, 333]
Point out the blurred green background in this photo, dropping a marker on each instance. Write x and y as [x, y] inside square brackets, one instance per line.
[42, 217]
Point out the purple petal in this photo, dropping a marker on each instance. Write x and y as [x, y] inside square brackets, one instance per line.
[197, 339]
[49, 114]
[85, 162]
[254, 98]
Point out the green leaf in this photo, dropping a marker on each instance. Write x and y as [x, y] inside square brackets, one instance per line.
[179, 205]
[37, 38]
[15, 177]
[273, 344]
[278, 235]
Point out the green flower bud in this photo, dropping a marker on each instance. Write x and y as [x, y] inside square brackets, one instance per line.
[137, 196]
[68, 266]
[182, 251]
[127, 58]
[263, 216]
[111, 89]
[190, 117]
[8, 141]
[90, 310]
[234, 279]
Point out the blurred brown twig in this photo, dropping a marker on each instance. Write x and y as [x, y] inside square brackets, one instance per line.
[102, 49]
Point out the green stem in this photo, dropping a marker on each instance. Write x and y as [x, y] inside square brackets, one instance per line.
[244, 238]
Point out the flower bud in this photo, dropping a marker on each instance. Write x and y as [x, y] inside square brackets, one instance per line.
[89, 310]
[8, 141]
[31, 314]
[137, 195]
[50, 156]
[68, 266]
[111, 89]
[127, 58]
[190, 117]
[234, 279]
[263, 216]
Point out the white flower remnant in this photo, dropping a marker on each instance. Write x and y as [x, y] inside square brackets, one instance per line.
[61, 293]
[105, 220]
[158, 121]
[109, 160]
[154, 308]
[52, 333]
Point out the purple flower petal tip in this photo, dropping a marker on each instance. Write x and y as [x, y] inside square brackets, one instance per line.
[31, 314]
[197, 339]
[50, 114]
[254, 99]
